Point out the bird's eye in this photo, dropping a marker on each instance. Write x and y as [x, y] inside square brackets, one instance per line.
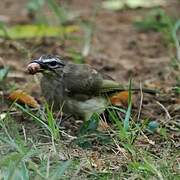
[52, 63]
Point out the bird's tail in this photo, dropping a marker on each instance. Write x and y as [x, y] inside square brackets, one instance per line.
[110, 86]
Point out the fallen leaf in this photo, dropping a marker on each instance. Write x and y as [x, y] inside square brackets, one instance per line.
[116, 5]
[120, 99]
[22, 97]
[153, 84]
[144, 3]
[33, 31]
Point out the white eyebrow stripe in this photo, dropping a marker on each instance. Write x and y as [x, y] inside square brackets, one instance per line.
[48, 60]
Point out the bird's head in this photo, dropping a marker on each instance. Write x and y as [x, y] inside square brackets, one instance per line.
[46, 64]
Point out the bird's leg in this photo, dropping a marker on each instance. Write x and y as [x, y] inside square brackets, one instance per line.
[87, 116]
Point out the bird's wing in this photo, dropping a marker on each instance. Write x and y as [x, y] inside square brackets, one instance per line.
[110, 86]
[82, 78]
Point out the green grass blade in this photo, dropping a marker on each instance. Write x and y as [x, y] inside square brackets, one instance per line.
[60, 170]
[128, 113]
[34, 117]
[58, 11]
[3, 73]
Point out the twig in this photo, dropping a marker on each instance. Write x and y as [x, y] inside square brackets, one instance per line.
[166, 111]
[120, 149]
[149, 141]
[69, 136]
[24, 133]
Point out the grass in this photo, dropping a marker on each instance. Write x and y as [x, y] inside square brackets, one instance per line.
[37, 9]
[31, 149]
[24, 158]
[27, 155]
[36, 149]
[157, 20]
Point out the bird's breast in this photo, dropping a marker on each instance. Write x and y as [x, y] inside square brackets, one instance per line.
[53, 91]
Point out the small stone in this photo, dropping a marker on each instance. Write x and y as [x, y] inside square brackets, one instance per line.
[152, 126]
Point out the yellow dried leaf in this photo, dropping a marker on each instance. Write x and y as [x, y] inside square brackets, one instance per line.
[120, 98]
[24, 98]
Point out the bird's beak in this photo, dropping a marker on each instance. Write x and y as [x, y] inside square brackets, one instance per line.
[41, 63]
[35, 66]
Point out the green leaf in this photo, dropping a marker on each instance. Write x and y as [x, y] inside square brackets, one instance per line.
[156, 20]
[33, 31]
[91, 125]
[83, 142]
[35, 5]
[177, 90]
[3, 73]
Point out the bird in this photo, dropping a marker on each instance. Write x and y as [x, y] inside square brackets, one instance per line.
[78, 89]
